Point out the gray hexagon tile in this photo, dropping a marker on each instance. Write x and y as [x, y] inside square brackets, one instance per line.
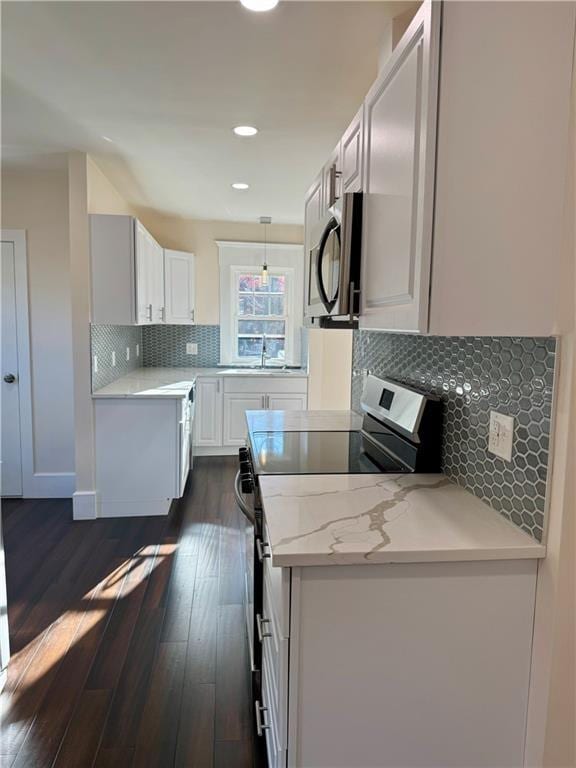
[106, 339]
[474, 376]
[165, 345]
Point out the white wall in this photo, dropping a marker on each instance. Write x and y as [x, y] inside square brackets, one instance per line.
[330, 369]
[37, 201]
[551, 738]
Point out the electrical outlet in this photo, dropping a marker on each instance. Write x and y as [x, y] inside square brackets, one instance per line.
[95, 364]
[113, 358]
[137, 350]
[191, 348]
[127, 354]
[501, 435]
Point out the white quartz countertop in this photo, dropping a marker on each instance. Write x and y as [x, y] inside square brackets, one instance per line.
[296, 421]
[364, 519]
[176, 382]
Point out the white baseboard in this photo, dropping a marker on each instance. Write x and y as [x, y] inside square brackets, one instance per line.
[49, 485]
[85, 505]
[209, 450]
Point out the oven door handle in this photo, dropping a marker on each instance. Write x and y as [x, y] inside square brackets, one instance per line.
[246, 511]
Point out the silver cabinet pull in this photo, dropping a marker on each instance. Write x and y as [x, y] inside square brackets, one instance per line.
[218, 386]
[150, 312]
[163, 314]
[261, 726]
[192, 315]
[260, 549]
[261, 633]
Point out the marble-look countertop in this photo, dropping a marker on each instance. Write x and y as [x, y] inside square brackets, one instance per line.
[297, 421]
[364, 519]
[176, 382]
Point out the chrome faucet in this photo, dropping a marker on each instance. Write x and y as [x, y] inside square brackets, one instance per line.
[263, 355]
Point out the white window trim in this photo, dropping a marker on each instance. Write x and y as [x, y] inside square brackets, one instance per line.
[241, 256]
[288, 317]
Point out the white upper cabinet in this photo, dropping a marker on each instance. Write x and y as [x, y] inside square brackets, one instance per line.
[179, 287]
[399, 134]
[465, 144]
[127, 267]
[503, 149]
[352, 155]
[331, 179]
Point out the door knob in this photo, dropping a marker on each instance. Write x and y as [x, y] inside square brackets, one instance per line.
[9, 378]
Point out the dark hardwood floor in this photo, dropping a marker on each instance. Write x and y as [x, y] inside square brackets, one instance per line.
[128, 636]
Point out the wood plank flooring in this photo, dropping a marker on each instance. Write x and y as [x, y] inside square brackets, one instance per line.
[128, 636]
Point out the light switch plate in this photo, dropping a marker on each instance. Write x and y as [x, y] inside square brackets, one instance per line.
[113, 358]
[191, 348]
[501, 435]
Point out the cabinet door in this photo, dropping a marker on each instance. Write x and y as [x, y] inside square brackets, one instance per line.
[143, 261]
[157, 281]
[235, 407]
[286, 402]
[312, 210]
[312, 215]
[179, 287]
[352, 155]
[399, 147]
[331, 179]
[208, 412]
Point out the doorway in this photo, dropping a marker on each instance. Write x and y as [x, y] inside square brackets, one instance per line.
[11, 443]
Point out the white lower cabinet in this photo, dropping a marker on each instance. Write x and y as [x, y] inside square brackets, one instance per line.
[222, 402]
[235, 407]
[208, 417]
[142, 454]
[397, 665]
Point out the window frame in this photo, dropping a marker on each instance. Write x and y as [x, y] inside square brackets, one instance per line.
[247, 257]
[287, 317]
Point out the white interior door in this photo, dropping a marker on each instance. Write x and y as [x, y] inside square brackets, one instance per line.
[11, 442]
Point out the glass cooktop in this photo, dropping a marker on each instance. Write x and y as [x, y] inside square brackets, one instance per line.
[317, 453]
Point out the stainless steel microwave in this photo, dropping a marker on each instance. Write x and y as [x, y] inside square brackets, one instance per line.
[333, 283]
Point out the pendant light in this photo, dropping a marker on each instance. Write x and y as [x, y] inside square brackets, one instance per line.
[264, 275]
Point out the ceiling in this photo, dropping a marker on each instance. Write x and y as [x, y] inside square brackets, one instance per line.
[167, 81]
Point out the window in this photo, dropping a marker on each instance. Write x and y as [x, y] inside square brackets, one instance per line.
[261, 314]
[251, 312]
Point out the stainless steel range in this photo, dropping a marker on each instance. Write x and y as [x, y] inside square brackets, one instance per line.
[401, 432]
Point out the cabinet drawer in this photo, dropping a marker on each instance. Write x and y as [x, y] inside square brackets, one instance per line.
[277, 587]
[264, 384]
[273, 721]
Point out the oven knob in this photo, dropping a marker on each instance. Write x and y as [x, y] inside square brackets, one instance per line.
[244, 467]
[246, 483]
[244, 454]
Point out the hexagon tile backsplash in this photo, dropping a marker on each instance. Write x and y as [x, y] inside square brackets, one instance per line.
[475, 376]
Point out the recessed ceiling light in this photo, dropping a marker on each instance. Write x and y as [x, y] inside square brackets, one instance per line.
[240, 185]
[107, 138]
[245, 130]
[259, 5]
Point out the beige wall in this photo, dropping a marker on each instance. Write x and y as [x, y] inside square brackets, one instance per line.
[37, 201]
[103, 197]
